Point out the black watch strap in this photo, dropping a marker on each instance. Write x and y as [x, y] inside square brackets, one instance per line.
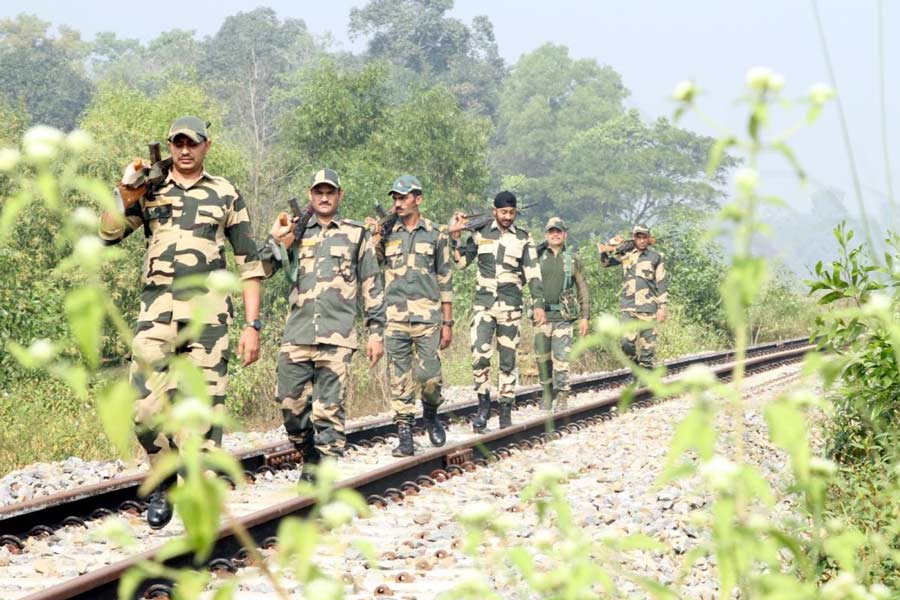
[255, 324]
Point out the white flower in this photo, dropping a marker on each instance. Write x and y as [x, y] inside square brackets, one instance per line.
[607, 325]
[42, 350]
[9, 159]
[746, 179]
[87, 251]
[763, 79]
[685, 91]
[877, 304]
[41, 143]
[822, 467]
[193, 413]
[79, 141]
[223, 281]
[719, 472]
[84, 216]
[477, 512]
[698, 376]
[323, 589]
[820, 93]
[545, 474]
[336, 514]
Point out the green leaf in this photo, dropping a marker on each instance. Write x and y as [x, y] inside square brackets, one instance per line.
[789, 155]
[717, 153]
[75, 376]
[85, 310]
[297, 541]
[115, 407]
[225, 591]
[130, 581]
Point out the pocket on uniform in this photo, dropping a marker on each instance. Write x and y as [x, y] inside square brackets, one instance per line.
[512, 254]
[207, 231]
[424, 255]
[343, 263]
[157, 213]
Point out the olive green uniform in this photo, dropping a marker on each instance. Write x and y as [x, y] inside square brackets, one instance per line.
[417, 280]
[332, 269]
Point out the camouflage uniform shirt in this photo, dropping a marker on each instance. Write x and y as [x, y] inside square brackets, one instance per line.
[646, 283]
[418, 275]
[187, 230]
[332, 263]
[506, 262]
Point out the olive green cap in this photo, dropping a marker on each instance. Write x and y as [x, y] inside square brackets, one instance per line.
[556, 223]
[640, 228]
[405, 184]
[325, 175]
[191, 126]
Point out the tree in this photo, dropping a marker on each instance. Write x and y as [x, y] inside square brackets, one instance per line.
[427, 46]
[245, 61]
[624, 172]
[43, 74]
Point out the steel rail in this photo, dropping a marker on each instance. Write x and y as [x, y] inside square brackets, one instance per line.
[385, 484]
[40, 516]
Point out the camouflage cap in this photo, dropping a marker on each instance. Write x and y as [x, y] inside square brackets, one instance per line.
[325, 175]
[556, 223]
[191, 126]
[640, 228]
[405, 184]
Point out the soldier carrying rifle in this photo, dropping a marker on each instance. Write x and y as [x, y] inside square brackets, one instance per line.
[506, 262]
[644, 292]
[186, 215]
[418, 290]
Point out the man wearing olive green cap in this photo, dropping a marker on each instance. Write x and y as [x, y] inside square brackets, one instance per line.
[329, 268]
[566, 300]
[644, 292]
[186, 215]
[418, 289]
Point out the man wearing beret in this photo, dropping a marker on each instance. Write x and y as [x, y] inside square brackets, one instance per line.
[330, 268]
[506, 262]
[186, 215]
[418, 291]
[644, 292]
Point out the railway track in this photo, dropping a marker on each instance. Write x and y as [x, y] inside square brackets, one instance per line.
[380, 480]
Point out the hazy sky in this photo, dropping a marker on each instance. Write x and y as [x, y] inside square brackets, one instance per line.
[653, 44]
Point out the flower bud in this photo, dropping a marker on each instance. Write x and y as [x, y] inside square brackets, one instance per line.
[79, 141]
[820, 93]
[877, 304]
[223, 282]
[698, 376]
[608, 325]
[84, 217]
[685, 91]
[746, 180]
[88, 250]
[192, 413]
[42, 143]
[719, 473]
[9, 159]
[763, 79]
[42, 351]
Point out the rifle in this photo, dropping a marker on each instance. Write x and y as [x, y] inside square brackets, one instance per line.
[479, 219]
[386, 221]
[627, 245]
[159, 167]
[303, 216]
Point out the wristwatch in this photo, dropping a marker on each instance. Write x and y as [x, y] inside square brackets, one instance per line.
[448, 323]
[255, 324]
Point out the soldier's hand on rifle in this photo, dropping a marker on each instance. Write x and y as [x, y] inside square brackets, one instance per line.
[283, 229]
[540, 317]
[661, 314]
[133, 186]
[372, 226]
[446, 336]
[459, 222]
[583, 326]
[374, 350]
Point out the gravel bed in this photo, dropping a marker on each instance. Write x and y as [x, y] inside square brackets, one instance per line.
[612, 489]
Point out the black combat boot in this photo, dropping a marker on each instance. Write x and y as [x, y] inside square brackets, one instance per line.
[479, 423]
[159, 509]
[311, 458]
[505, 414]
[405, 445]
[433, 426]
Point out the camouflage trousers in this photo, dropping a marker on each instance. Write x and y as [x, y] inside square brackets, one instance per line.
[311, 388]
[640, 346]
[552, 345]
[153, 347]
[412, 352]
[504, 324]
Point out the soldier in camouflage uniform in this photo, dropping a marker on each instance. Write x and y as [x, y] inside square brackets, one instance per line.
[566, 299]
[186, 219]
[506, 261]
[330, 268]
[644, 292]
[418, 290]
